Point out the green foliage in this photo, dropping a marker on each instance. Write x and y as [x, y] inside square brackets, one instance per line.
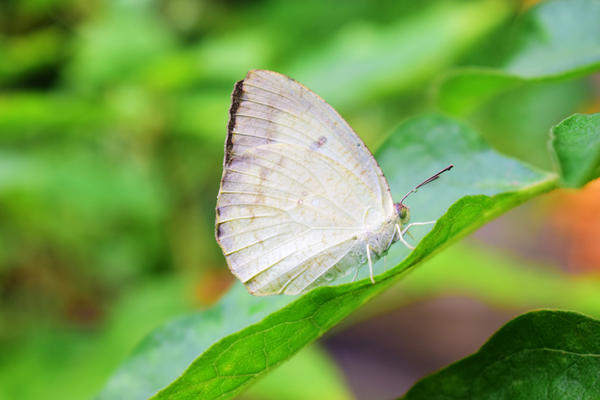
[162, 356]
[489, 275]
[309, 374]
[112, 118]
[517, 121]
[531, 83]
[539, 355]
[59, 357]
[490, 184]
[264, 339]
[555, 40]
[363, 63]
[576, 141]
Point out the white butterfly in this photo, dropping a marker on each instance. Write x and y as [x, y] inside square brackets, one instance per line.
[302, 200]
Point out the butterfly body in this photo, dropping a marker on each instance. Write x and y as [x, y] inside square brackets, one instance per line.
[302, 200]
[381, 237]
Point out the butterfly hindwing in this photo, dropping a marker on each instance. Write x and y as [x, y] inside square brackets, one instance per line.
[297, 187]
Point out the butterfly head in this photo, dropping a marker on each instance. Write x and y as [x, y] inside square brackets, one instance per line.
[403, 212]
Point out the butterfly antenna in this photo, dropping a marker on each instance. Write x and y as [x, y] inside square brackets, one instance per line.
[426, 181]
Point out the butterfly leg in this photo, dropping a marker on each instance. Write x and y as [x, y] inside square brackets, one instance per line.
[415, 224]
[401, 238]
[370, 264]
[355, 274]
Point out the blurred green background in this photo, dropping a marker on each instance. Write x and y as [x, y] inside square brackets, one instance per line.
[112, 123]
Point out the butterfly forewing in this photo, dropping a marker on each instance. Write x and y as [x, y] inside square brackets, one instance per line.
[298, 188]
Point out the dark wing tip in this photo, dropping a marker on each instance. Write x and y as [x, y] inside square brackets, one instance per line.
[236, 99]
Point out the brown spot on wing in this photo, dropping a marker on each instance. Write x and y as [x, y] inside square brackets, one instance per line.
[318, 143]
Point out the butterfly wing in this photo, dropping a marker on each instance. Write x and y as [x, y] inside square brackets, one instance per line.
[298, 188]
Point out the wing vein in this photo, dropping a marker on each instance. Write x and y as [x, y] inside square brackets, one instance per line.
[271, 140]
[312, 255]
[323, 187]
[273, 122]
[322, 105]
[279, 170]
[237, 171]
[349, 172]
[377, 196]
[271, 251]
[262, 241]
[326, 111]
[325, 270]
[262, 227]
[284, 111]
[264, 186]
[286, 211]
[331, 265]
[272, 196]
[222, 221]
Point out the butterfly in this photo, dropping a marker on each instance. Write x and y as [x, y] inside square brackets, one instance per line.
[302, 200]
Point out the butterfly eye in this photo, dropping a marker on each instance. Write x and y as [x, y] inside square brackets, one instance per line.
[404, 214]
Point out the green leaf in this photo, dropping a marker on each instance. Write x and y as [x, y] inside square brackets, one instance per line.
[364, 61]
[517, 122]
[310, 374]
[554, 40]
[489, 275]
[539, 355]
[576, 141]
[164, 354]
[244, 337]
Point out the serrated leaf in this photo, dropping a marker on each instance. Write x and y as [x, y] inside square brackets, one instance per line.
[554, 40]
[251, 346]
[539, 355]
[576, 142]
